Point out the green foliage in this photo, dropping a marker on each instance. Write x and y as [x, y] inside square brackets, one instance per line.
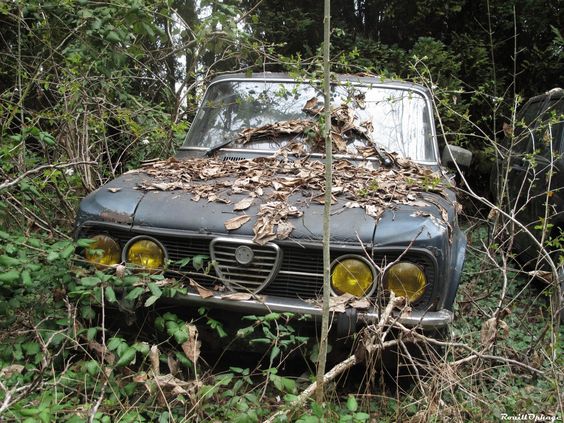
[84, 81]
[274, 330]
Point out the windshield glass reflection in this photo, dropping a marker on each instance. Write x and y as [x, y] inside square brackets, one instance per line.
[396, 119]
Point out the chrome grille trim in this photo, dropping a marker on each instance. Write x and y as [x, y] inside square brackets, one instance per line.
[245, 278]
[289, 272]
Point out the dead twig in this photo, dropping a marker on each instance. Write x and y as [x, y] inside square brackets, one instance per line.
[370, 344]
[38, 169]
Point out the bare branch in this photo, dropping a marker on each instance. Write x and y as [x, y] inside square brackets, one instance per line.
[41, 168]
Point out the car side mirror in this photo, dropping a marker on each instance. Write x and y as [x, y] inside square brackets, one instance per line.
[452, 154]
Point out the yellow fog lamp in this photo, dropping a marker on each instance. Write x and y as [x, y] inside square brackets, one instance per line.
[145, 252]
[352, 275]
[103, 251]
[406, 279]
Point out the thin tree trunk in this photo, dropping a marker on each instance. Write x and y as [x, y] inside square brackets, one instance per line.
[322, 357]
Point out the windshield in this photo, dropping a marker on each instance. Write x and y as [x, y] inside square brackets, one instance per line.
[395, 119]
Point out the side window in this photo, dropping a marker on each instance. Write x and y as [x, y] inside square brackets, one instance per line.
[552, 126]
[524, 136]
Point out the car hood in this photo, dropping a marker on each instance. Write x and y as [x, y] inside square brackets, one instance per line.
[122, 202]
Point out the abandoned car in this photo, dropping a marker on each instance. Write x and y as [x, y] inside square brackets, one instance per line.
[245, 193]
[528, 179]
[528, 183]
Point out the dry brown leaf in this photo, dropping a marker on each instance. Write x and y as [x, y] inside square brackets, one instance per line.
[244, 204]
[172, 365]
[419, 203]
[203, 292]
[264, 229]
[120, 270]
[310, 104]
[542, 274]
[102, 351]
[361, 304]
[236, 222]
[339, 304]
[284, 230]
[339, 142]
[491, 329]
[337, 189]
[192, 346]
[9, 371]
[352, 204]
[373, 211]
[140, 378]
[237, 296]
[154, 358]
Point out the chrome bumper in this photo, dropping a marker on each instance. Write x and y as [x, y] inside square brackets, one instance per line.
[267, 304]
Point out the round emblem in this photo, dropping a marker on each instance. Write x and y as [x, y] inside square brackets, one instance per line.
[244, 255]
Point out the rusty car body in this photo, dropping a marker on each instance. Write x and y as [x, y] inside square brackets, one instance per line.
[245, 191]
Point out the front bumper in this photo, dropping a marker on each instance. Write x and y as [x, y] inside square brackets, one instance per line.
[267, 304]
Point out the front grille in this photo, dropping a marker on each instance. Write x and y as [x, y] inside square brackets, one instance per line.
[244, 266]
[285, 271]
[300, 275]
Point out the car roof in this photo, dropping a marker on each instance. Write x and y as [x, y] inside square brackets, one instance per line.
[363, 79]
[555, 93]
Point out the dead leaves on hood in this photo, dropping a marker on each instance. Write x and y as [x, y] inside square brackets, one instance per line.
[236, 222]
[274, 190]
[272, 221]
[244, 204]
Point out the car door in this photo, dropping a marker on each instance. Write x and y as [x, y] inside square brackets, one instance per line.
[535, 181]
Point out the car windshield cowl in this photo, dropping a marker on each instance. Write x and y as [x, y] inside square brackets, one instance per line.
[266, 116]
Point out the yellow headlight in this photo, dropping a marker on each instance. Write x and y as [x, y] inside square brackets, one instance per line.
[406, 280]
[352, 276]
[146, 253]
[103, 251]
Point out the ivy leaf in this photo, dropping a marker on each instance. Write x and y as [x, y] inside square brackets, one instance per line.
[198, 261]
[91, 333]
[87, 312]
[8, 261]
[10, 276]
[26, 278]
[84, 242]
[90, 281]
[92, 367]
[110, 294]
[114, 343]
[31, 348]
[151, 300]
[52, 256]
[155, 290]
[274, 353]
[183, 262]
[352, 405]
[127, 357]
[181, 335]
[66, 253]
[134, 293]
[113, 36]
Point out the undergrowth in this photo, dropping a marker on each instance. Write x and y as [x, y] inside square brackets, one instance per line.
[63, 358]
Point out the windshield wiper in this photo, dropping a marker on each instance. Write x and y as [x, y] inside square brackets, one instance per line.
[210, 151]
